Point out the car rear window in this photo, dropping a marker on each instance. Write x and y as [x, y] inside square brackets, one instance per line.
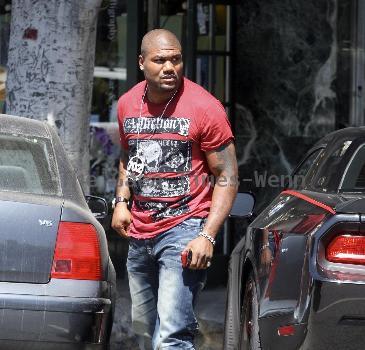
[328, 176]
[354, 176]
[306, 170]
[27, 165]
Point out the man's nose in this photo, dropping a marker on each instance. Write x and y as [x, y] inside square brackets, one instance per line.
[168, 66]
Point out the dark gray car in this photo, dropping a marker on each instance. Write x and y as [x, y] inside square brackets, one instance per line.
[57, 282]
[297, 277]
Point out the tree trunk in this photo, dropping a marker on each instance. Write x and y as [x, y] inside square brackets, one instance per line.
[50, 69]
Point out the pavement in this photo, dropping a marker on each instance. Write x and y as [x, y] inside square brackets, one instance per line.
[210, 313]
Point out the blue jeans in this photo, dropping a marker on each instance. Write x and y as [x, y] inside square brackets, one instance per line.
[163, 293]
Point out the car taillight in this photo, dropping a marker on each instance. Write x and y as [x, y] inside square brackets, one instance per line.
[286, 331]
[347, 249]
[77, 252]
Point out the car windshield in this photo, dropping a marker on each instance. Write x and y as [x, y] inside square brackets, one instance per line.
[27, 165]
[354, 176]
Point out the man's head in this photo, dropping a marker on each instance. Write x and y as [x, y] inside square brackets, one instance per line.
[161, 61]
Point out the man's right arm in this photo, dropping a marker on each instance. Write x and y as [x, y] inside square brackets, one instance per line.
[122, 216]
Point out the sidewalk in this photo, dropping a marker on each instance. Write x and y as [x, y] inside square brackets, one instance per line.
[210, 313]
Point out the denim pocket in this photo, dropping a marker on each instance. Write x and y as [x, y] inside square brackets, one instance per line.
[134, 243]
[186, 232]
[193, 223]
[135, 249]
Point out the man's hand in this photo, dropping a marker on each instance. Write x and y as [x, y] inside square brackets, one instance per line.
[202, 252]
[121, 220]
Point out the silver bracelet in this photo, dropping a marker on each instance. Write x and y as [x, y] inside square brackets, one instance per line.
[208, 237]
[264, 246]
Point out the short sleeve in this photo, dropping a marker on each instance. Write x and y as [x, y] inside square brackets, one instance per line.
[123, 140]
[215, 128]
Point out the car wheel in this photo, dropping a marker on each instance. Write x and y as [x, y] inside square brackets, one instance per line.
[249, 332]
[233, 313]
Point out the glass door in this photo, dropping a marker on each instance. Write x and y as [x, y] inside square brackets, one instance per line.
[210, 32]
[213, 49]
[209, 59]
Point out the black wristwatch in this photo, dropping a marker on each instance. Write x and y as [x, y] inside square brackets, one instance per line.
[117, 200]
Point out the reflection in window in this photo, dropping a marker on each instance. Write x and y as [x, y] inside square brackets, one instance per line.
[303, 174]
[111, 35]
[27, 165]
[354, 177]
[213, 49]
[327, 178]
[172, 18]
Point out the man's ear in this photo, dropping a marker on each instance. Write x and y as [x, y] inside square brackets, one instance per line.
[140, 62]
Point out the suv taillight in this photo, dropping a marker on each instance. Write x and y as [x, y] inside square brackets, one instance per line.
[346, 249]
[77, 252]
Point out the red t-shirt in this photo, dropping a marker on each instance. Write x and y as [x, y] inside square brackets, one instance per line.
[175, 185]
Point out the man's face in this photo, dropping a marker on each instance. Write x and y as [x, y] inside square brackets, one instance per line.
[162, 66]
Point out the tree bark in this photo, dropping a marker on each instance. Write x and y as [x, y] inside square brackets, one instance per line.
[50, 69]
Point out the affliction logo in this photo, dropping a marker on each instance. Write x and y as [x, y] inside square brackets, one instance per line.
[144, 125]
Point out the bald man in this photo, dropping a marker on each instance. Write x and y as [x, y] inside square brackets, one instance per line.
[175, 208]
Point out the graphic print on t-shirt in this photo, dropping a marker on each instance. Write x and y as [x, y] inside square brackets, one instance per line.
[164, 209]
[162, 187]
[163, 156]
[170, 212]
[153, 125]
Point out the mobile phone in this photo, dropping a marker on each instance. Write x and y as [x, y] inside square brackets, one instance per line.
[186, 256]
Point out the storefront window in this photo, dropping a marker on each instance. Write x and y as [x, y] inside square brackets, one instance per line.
[110, 73]
[173, 18]
[213, 60]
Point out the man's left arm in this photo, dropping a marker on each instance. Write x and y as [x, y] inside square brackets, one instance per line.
[223, 164]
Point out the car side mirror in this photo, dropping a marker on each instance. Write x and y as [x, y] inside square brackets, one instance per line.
[243, 205]
[98, 206]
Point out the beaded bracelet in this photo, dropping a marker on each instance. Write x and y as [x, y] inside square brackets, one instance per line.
[264, 246]
[208, 237]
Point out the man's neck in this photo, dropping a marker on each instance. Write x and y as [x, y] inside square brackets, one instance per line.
[159, 97]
